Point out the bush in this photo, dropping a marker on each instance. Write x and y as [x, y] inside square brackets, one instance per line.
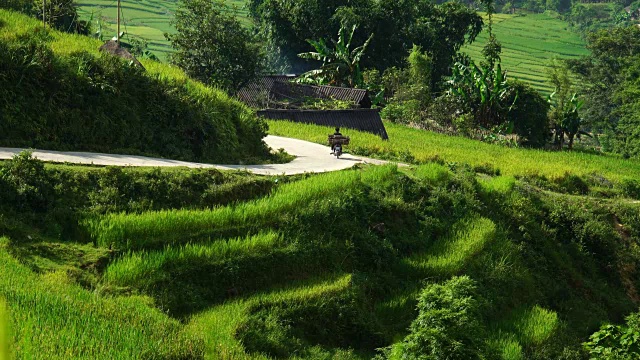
[448, 325]
[616, 341]
[529, 116]
[96, 102]
[631, 188]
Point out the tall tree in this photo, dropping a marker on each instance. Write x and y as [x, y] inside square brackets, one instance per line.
[440, 30]
[211, 45]
[608, 81]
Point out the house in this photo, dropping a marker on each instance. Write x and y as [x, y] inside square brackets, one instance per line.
[367, 120]
[279, 98]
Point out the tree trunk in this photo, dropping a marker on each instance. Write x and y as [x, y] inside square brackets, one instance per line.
[571, 136]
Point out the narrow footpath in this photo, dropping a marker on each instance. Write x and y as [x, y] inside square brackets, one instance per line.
[310, 157]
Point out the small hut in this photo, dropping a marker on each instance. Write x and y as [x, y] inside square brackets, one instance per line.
[113, 47]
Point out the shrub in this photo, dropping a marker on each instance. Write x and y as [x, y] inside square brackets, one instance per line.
[529, 116]
[616, 341]
[448, 325]
[631, 188]
[27, 185]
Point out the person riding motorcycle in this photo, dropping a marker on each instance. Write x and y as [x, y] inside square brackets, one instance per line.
[333, 145]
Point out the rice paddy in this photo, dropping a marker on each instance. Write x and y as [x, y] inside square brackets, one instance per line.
[529, 43]
[145, 19]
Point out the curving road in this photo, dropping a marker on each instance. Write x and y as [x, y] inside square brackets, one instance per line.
[310, 157]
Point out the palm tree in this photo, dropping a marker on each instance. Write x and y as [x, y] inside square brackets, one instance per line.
[340, 65]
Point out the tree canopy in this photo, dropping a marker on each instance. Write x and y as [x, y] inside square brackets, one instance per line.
[440, 30]
[212, 46]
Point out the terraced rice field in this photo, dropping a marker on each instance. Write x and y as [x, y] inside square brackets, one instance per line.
[529, 43]
[146, 19]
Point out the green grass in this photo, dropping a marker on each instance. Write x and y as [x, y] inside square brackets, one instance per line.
[427, 146]
[146, 19]
[4, 331]
[225, 319]
[140, 267]
[153, 229]
[52, 318]
[448, 256]
[524, 328]
[529, 43]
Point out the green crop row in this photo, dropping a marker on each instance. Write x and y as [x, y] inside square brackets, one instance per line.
[52, 318]
[157, 229]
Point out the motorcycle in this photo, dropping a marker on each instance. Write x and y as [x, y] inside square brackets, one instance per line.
[337, 142]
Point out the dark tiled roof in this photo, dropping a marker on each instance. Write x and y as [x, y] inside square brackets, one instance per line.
[286, 91]
[278, 91]
[360, 119]
[256, 93]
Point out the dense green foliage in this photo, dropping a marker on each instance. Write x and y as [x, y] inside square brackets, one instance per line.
[57, 199]
[58, 92]
[212, 46]
[616, 341]
[397, 25]
[448, 324]
[340, 65]
[610, 87]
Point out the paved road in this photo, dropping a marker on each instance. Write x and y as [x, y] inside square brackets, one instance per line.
[310, 157]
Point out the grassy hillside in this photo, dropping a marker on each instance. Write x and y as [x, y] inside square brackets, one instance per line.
[412, 145]
[112, 263]
[61, 93]
[146, 19]
[529, 43]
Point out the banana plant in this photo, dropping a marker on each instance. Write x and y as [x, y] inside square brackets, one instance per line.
[340, 64]
[568, 121]
[485, 89]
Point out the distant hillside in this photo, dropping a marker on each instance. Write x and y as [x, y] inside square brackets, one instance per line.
[529, 42]
[146, 19]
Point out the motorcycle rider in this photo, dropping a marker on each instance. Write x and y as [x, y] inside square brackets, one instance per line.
[336, 134]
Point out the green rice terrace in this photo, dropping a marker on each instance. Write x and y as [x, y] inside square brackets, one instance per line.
[464, 250]
[148, 263]
[146, 19]
[529, 43]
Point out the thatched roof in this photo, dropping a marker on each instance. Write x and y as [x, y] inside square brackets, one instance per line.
[112, 47]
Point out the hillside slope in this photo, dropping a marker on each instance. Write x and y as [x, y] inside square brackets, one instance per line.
[146, 19]
[529, 43]
[313, 267]
[59, 92]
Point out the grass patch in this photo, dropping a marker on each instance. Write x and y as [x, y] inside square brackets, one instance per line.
[54, 318]
[425, 146]
[5, 352]
[219, 325]
[153, 229]
[447, 257]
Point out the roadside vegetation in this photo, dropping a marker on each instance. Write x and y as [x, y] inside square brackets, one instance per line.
[417, 146]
